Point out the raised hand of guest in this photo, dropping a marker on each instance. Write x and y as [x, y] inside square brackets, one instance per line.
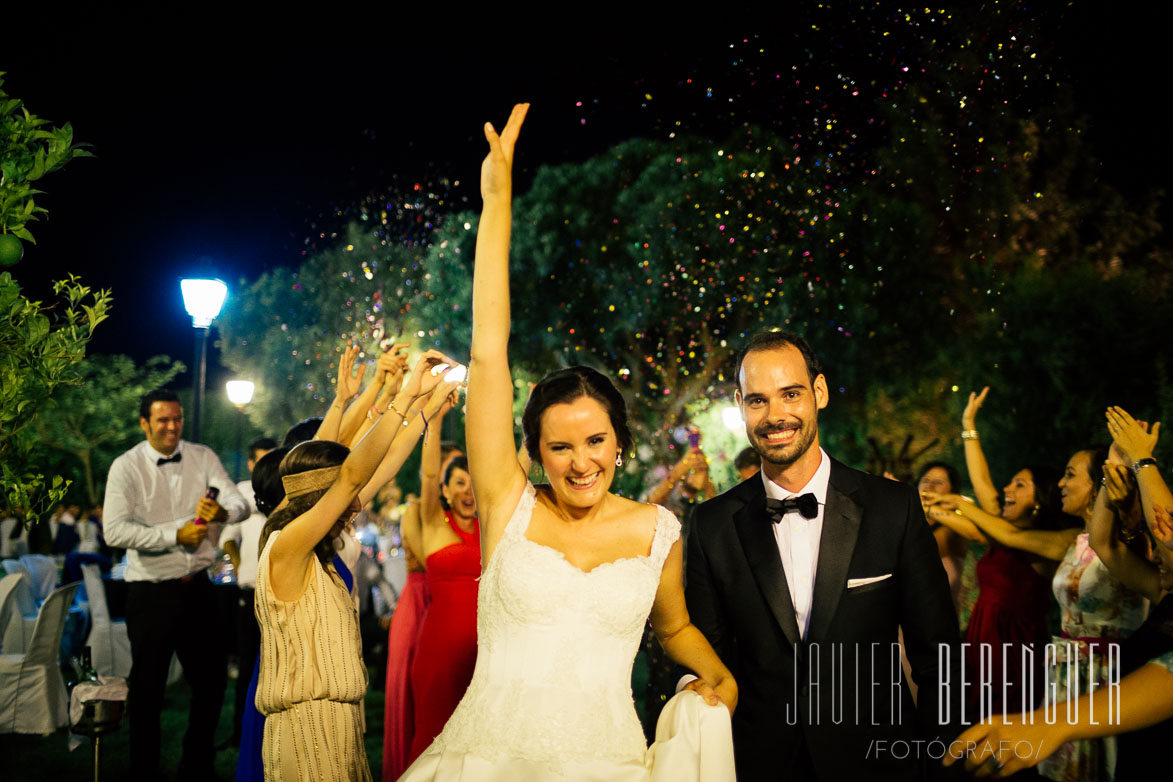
[425, 375]
[391, 366]
[349, 383]
[1119, 486]
[1162, 525]
[975, 459]
[969, 415]
[1132, 437]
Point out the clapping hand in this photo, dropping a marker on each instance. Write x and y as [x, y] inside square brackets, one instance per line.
[497, 170]
[1132, 437]
[348, 384]
[969, 415]
[391, 365]
[1162, 527]
[1119, 484]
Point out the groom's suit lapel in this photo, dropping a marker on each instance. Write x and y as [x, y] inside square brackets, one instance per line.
[841, 519]
[761, 550]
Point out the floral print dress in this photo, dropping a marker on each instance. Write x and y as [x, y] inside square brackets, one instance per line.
[1096, 610]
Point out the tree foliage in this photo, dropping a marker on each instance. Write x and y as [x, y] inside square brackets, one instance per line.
[40, 349]
[96, 419]
[29, 149]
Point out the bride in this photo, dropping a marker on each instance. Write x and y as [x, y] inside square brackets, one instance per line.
[570, 571]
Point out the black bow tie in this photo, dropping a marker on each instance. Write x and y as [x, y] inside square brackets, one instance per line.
[176, 458]
[806, 504]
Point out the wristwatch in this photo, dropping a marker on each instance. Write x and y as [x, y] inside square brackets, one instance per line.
[1140, 464]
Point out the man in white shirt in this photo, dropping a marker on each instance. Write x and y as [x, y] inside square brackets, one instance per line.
[157, 509]
[801, 577]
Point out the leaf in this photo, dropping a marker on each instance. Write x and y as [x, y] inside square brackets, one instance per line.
[38, 165]
[22, 233]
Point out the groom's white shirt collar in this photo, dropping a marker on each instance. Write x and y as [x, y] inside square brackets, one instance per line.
[817, 485]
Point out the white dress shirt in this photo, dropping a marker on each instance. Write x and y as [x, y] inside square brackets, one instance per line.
[247, 535]
[147, 503]
[798, 539]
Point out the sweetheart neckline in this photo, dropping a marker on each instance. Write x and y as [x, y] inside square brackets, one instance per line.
[562, 555]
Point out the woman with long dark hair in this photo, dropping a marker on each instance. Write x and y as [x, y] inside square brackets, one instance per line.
[312, 678]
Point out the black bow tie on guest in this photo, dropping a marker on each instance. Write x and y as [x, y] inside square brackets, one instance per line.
[806, 504]
[176, 458]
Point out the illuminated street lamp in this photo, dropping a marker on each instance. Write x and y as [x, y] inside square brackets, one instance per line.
[240, 393]
[731, 417]
[202, 299]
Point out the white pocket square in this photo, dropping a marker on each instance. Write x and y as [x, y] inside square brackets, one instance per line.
[852, 583]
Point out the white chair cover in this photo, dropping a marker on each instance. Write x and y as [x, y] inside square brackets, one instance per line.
[8, 607]
[9, 546]
[32, 692]
[18, 614]
[42, 571]
[108, 641]
[14, 566]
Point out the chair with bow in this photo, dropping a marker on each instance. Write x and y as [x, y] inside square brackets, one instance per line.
[32, 692]
[42, 570]
[18, 611]
[108, 640]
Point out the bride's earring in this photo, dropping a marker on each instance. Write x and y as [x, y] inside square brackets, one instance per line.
[619, 460]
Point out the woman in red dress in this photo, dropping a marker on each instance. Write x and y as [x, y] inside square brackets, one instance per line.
[403, 636]
[1014, 576]
[447, 650]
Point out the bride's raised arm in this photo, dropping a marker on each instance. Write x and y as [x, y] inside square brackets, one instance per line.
[497, 478]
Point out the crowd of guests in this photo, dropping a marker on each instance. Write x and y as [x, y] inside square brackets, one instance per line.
[1073, 577]
[1073, 571]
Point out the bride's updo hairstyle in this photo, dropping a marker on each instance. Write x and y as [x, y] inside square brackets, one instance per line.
[324, 459]
[564, 387]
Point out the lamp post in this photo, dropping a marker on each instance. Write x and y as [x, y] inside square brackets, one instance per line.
[731, 417]
[202, 299]
[240, 393]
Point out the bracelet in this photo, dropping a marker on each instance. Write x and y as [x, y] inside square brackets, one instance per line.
[391, 406]
[1140, 464]
[969, 434]
[370, 412]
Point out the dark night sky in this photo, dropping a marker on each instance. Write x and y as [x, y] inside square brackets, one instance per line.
[217, 140]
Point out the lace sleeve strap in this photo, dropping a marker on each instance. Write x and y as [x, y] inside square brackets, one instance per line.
[667, 533]
[519, 521]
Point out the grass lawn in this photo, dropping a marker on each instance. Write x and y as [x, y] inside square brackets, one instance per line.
[42, 758]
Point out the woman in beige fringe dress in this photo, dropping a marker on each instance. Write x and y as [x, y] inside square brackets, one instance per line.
[312, 679]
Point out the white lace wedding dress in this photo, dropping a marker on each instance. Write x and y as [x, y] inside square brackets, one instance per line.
[550, 698]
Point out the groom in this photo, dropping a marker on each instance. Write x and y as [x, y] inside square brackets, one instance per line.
[802, 598]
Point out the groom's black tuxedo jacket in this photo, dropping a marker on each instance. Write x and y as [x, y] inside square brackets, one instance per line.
[835, 691]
